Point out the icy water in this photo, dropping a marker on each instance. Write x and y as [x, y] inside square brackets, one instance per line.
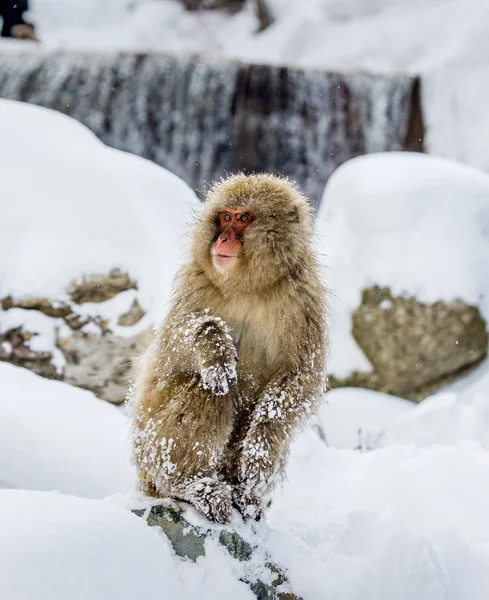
[203, 120]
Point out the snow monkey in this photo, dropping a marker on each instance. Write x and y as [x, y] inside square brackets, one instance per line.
[239, 361]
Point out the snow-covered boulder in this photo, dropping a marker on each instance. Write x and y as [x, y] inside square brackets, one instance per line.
[406, 240]
[90, 240]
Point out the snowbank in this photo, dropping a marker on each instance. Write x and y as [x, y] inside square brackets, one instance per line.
[398, 522]
[445, 418]
[351, 417]
[355, 418]
[71, 206]
[414, 223]
[57, 437]
[58, 547]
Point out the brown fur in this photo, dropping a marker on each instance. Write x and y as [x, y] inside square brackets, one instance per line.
[211, 430]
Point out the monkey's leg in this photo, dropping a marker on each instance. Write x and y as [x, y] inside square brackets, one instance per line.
[180, 445]
[263, 451]
[248, 502]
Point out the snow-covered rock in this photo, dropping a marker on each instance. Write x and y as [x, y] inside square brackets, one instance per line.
[73, 208]
[418, 226]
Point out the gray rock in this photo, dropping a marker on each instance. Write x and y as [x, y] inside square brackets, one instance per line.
[416, 348]
[188, 541]
[235, 545]
[100, 363]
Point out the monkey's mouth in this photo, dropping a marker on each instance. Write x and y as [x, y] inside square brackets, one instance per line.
[224, 261]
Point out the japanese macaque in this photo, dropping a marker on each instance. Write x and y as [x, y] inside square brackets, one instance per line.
[239, 362]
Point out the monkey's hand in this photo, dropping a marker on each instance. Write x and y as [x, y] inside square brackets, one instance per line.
[247, 502]
[216, 358]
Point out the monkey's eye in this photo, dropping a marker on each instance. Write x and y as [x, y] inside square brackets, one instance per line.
[227, 217]
[244, 218]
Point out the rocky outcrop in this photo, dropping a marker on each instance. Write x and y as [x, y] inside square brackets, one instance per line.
[100, 363]
[15, 349]
[95, 357]
[415, 348]
[188, 541]
[44, 305]
[99, 288]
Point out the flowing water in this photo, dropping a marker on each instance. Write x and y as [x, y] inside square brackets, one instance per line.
[203, 120]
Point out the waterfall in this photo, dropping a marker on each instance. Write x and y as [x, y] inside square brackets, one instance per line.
[203, 119]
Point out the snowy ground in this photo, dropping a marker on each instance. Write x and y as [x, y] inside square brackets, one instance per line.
[407, 519]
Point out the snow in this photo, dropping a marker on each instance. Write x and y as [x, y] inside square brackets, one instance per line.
[57, 437]
[44, 338]
[417, 224]
[349, 414]
[409, 517]
[399, 522]
[56, 546]
[382, 35]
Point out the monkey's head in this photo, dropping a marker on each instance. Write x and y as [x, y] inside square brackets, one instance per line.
[254, 231]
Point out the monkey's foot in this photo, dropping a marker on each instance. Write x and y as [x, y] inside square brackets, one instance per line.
[212, 498]
[219, 378]
[247, 502]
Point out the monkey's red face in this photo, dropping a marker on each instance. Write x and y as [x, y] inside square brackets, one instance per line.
[229, 244]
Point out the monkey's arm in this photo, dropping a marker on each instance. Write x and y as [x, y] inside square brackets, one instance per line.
[203, 344]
